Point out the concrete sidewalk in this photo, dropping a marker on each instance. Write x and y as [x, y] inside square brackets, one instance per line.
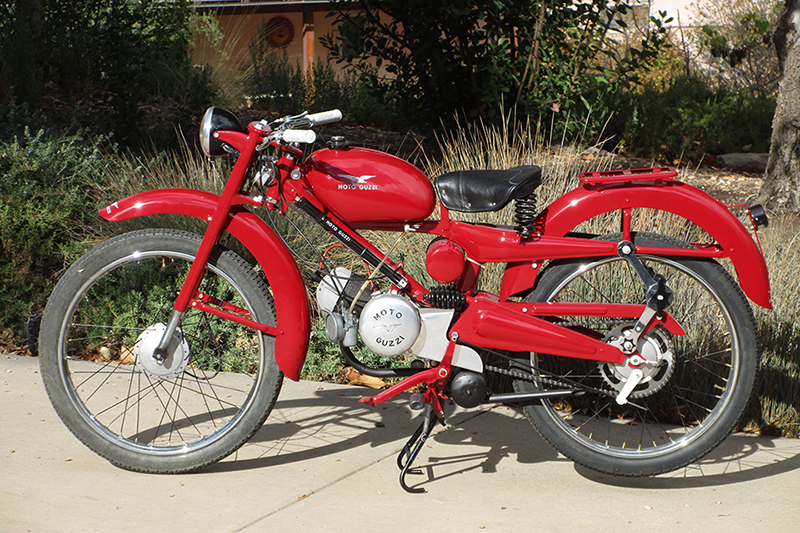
[324, 462]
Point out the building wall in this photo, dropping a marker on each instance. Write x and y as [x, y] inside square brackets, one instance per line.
[241, 24]
[677, 9]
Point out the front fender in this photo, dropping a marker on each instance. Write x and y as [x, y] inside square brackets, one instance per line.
[285, 282]
[586, 202]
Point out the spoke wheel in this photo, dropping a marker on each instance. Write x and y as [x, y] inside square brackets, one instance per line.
[214, 390]
[693, 391]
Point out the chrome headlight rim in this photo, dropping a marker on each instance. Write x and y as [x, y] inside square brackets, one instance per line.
[216, 119]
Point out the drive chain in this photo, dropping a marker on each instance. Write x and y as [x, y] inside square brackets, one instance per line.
[527, 376]
[542, 380]
[598, 322]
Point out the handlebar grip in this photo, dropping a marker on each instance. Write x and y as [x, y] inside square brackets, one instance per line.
[299, 136]
[325, 117]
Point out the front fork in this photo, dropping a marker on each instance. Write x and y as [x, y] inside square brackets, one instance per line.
[216, 226]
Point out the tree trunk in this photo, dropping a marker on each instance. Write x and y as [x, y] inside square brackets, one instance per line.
[781, 189]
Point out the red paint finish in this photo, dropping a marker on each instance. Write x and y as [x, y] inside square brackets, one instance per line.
[555, 309]
[614, 177]
[366, 186]
[444, 260]
[713, 216]
[434, 377]
[216, 222]
[291, 302]
[497, 325]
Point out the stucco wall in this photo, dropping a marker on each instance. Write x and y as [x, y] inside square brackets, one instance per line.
[241, 26]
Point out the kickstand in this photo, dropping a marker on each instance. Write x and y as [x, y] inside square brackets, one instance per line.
[419, 437]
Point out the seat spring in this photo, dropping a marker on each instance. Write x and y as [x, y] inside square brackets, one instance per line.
[525, 214]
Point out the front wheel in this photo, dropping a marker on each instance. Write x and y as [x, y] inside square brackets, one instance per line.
[695, 387]
[213, 391]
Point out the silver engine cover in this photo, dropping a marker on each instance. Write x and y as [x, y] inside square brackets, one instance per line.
[389, 325]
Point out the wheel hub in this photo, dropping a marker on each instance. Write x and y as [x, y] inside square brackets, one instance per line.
[655, 360]
[178, 353]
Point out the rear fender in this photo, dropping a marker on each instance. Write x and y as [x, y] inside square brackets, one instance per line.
[285, 282]
[587, 201]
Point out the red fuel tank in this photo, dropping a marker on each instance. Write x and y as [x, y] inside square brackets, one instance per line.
[363, 185]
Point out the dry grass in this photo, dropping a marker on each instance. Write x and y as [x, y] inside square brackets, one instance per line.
[778, 387]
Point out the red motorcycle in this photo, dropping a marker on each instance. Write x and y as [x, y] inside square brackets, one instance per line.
[632, 353]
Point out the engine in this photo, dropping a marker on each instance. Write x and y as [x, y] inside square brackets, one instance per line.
[391, 325]
[388, 324]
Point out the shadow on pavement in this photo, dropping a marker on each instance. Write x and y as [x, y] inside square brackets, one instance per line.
[738, 459]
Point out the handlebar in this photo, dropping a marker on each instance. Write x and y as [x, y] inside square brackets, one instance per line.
[294, 129]
[325, 117]
[299, 136]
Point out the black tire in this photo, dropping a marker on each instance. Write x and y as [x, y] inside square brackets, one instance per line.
[95, 322]
[689, 408]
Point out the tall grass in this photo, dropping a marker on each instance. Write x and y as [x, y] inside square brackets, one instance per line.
[510, 144]
[185, 168]
[778, 387]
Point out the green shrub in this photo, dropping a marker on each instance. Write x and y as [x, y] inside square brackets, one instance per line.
[47, 217]
[100, 63]
[690, 119]
[436, 60]
[275, 84]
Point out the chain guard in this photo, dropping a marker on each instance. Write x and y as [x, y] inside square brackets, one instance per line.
[534, 374]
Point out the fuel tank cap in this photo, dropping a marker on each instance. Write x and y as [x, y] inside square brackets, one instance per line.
[338, 142]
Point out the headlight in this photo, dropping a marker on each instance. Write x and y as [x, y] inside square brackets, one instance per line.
[216, 119]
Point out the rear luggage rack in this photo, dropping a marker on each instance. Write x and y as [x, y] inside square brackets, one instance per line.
[658, 175]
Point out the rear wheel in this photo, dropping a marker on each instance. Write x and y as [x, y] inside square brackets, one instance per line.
[217, 385]
[694, 387]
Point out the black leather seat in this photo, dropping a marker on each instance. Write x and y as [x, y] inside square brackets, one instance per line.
[477, 191]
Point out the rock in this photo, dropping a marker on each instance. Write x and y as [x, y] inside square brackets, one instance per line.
[755, 163]
[593, 153]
